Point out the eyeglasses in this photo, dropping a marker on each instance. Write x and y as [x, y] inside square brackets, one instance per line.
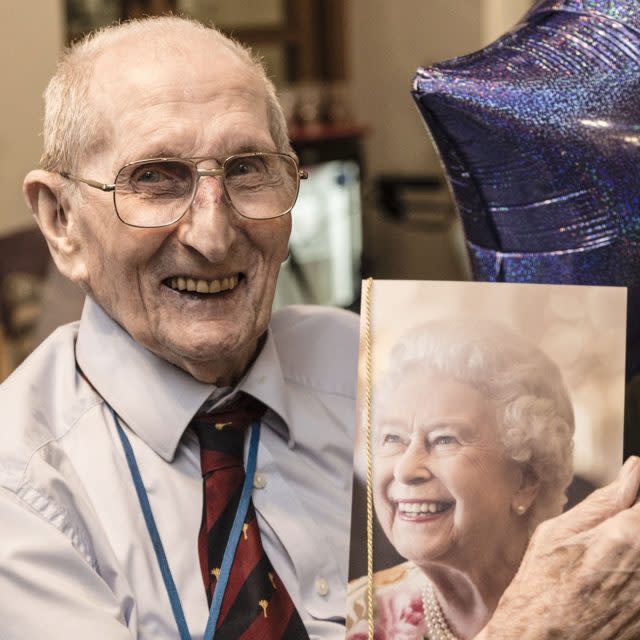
[157, 192]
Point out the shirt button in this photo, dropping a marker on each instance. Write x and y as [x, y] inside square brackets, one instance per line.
[259, 481]
[322, 586]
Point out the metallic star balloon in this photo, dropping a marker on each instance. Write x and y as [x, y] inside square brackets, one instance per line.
[539, 134]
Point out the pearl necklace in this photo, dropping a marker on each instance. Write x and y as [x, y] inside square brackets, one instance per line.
[437, 627]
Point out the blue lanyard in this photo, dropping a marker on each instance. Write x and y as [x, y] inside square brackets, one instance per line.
[232, 542]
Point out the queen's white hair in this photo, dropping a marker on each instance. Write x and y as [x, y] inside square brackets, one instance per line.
[534, 411]
[72, 123]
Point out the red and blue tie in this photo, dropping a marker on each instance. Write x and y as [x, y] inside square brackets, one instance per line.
[256, 604]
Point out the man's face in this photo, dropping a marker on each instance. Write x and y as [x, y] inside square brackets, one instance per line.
[204, 102]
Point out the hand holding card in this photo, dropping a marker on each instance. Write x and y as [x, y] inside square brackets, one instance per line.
[588, 556]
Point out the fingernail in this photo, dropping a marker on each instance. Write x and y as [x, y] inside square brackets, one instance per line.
[630, 464]
[629, 476]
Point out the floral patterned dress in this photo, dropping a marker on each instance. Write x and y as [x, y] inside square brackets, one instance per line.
[398, 601]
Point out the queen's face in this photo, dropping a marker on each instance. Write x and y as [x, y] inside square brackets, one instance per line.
[443, 488]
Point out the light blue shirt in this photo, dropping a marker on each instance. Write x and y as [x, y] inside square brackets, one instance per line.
[76, 560]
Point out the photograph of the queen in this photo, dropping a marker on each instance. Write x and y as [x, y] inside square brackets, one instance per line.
[472, 442]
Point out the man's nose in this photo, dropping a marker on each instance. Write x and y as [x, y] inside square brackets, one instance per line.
[209, 225]
[412, 467]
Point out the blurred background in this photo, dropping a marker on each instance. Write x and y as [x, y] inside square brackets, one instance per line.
[375, 204]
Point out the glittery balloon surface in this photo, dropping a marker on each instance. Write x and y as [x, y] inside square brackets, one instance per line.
[539, 135]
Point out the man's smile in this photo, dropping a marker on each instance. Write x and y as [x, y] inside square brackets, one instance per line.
[186, 284]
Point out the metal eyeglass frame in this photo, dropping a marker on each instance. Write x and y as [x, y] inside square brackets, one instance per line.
[199, 173]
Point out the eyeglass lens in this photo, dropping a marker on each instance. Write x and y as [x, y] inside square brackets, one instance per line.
[158, 192]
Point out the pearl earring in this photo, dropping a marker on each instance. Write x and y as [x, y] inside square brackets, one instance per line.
[520, 509]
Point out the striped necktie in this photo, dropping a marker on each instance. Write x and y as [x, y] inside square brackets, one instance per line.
[256, 604]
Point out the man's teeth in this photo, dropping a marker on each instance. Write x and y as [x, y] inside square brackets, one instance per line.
[204, 286]
[417, 508]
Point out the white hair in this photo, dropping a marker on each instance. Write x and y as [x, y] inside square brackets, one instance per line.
[534, 411]
[72, 125]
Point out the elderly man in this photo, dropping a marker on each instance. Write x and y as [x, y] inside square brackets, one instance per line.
[179, 450]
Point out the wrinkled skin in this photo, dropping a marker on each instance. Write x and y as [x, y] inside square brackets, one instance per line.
[580, 577]
[179, 105]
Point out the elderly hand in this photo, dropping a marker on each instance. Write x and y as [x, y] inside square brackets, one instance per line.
[580, 576]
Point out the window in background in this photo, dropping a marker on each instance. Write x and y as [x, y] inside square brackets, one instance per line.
[326, 240]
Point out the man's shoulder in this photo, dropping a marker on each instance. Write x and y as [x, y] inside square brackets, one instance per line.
[38, 401]
[45, 360]
[318, 346]
[337, 326]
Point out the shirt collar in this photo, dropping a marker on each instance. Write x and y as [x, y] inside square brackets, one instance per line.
[265, 381]
[155, 398]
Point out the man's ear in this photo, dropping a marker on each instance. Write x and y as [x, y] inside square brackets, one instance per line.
[43, 194]
[527, 491]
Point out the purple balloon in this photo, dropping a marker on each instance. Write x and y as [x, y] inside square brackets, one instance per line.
[539, 134]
